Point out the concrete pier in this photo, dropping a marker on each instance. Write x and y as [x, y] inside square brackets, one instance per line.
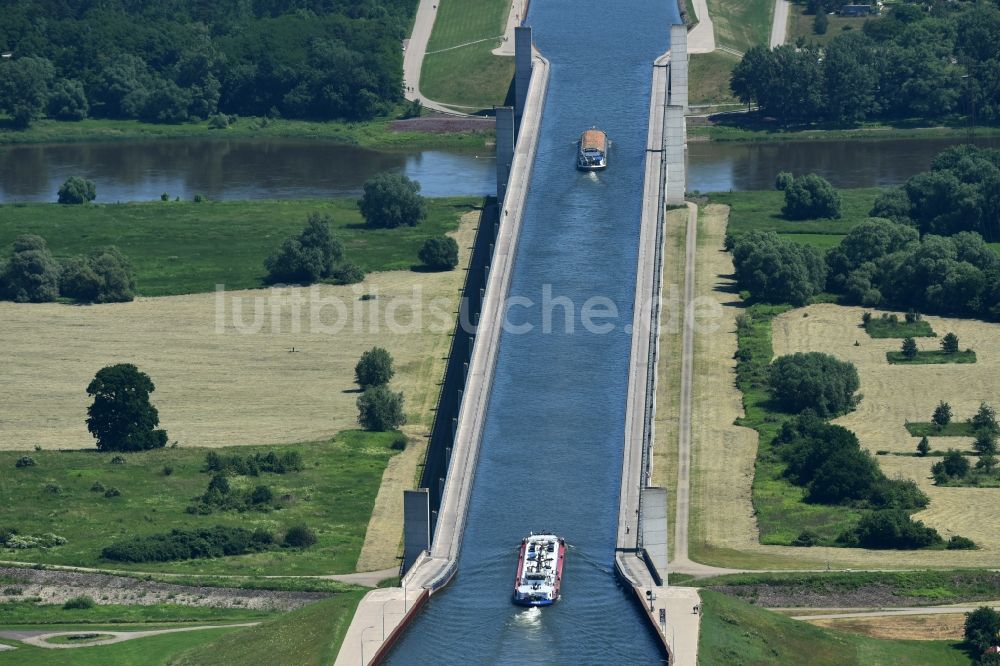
[374, 629]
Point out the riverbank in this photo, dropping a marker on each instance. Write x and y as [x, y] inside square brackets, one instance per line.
[380, 133]
[707, 131]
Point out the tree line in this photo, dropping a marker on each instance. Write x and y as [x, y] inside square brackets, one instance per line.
[185, 59]
[915, 63]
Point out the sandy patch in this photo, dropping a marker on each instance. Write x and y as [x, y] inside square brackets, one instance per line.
[942, 627]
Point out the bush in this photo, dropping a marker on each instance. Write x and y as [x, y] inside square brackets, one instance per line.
[25, 461]
[953, 466]
[167, 470]
[439, 253]
[806, 539]
[821, 23]
[816, 381]
[380, 409]
[97, 487]
[308, 257]
[81, 602]
[982, 627]
[67, 100]
[118, 460]
[392, 200]
[985, 417]
[348, 273]
[112, 492]
[218, 121]
[253, 465]
[923, 447]
[942, 414]
[374, 368]
[961, 543]
[890, 529]
[776, 270]
[809, 197]
[106, 276]
[299, 536]
[77, 190]
[909, 348]
[30, 275]
[179, 544]
[783, 180]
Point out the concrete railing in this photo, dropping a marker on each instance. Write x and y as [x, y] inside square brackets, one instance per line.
[434, 571]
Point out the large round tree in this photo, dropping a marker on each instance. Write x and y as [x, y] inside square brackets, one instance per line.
[121, 417]
[392, 200]
[815, 381]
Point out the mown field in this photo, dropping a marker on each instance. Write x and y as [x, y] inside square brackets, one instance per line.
[53, 617]
[186, 247]
[469, 75]
[333, 494]
[734, 632]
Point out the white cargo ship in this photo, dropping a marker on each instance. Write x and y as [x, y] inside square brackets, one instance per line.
[539, 570]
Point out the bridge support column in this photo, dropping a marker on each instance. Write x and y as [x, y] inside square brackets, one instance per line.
[675, 153]
[416, 525]
[678, 84]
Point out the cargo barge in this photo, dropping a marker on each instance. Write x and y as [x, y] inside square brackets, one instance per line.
[593, 152]
[539, 570]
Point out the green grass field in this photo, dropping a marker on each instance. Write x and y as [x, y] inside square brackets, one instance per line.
[740, 24]
[879, 327]
[929, 429]
[186, 247]
[935, 357]
[782, 513]
[469, 75]
[150, 651]
[708, 77]
[734, 632]
[761, 210]
[736, 130]
[310, 636]
[930, 587]
[28, 613]
[333, 494]
[369, 134]
[800, 24]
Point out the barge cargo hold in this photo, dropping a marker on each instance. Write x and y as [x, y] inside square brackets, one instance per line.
[593, 152]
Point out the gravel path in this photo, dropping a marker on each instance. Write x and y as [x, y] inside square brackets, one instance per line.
[41, 639]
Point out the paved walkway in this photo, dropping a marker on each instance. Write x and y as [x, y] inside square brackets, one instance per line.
[41, 639]
[518, 12]
[701, 38]
[413, 57]
[888, 612]
[779, 27]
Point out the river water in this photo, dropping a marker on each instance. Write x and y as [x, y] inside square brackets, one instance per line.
[291, 169]
[552, 442]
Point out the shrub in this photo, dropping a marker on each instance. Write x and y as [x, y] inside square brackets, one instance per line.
[217, 541]
[777, 270]
[392, 200]
[200, 198]
[253, 465]
[67, 100]
[783, 180]
[167, 470]
[97, 487]
[77, 190]
[953, 466]
[30, 275]
[961, 543]
[816, 381]
[890, 529]
[942, 414]
[25, 461]
[380, 409]
[982, 627]
[348, 273]
[923, 447]
[112, 492]
[374, 368]
[105, 276]
[299, 536]
[909, 348]
[164, 197]
[439, 253]
[985, 417]
[985, 443]
[118, 460]
[218, 121]
[820, 23]
[81, 602]
[309, 256]
[806, 539]
[53, 488]
[809, 197]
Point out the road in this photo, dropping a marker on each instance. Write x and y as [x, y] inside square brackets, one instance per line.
[888, 612]
[413, 57]
[701, 38]
[40, 639]
[779, 27]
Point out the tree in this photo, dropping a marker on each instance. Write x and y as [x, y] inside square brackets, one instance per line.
[949, 344]
[987, 463]
[985, 418]
[776, 270]
[380, 409]
[982, 628]
[909, 348]
[24, 88]
[31, 275]
[121, 417]
[392, 200]
[821, 23]
[810, 197]
[955, 464]
[440, 253]
[816, 381]
[942, 415]
[783, 180]
[891, 528]
[77, 190]
[300, 536]
[374, 368]
[310, 256]
[923, 447]
[67, 101]
[106, 276]
[985, 443]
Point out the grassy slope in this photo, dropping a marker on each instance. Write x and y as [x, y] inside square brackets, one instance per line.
[740, 24]
[800, 24]
[28, 613]
[306, 637]
[185, 247]
[334, 494]
[151, 651]
[733, 632]
[761, 210]
[708, 77]
[469, 75]
[370, 134]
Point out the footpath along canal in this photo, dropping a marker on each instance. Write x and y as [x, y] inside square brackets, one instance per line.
[552, 444]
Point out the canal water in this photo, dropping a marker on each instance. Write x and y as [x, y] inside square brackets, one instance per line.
[552, 442]
[292, 169]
